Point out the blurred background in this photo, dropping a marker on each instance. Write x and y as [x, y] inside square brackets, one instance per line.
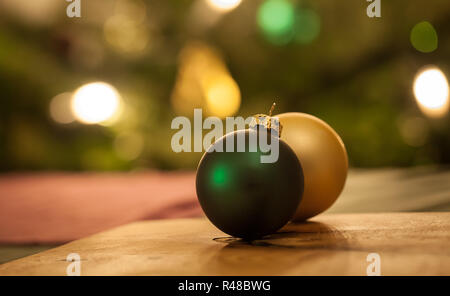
[154, 60]
[86, 99]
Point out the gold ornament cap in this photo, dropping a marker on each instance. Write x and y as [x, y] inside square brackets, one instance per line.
[272, 124]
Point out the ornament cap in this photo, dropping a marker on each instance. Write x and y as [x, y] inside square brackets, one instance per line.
[271, 123]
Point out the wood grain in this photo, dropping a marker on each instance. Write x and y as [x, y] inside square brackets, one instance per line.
[334, 244]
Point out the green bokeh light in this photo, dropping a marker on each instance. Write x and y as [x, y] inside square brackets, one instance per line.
[307, 26]
[276, 19]
[424, 37]
[220, 175]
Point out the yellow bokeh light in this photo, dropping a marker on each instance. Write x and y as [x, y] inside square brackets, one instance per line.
[60, 108]
[126, 34]
[224, 5]
[223, 97]
[431, 92]
[96, 102]
[137, 9]
[129, 145]
[203, 81]
[414, 130]
[127, 30]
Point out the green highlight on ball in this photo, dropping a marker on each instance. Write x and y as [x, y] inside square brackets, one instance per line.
[220, 176]
[424, 37]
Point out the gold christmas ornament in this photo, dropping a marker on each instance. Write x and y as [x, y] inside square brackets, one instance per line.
[323, 158]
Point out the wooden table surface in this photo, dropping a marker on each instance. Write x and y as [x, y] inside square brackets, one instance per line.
[334, 244]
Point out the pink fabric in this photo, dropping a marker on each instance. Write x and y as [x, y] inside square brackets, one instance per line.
[60, 207]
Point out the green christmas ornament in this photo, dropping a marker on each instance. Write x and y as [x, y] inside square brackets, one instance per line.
[241, 195]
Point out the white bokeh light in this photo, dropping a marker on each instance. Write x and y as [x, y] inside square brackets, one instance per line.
[224, 5]
[60, 108]
[431, 92]
[95, 102]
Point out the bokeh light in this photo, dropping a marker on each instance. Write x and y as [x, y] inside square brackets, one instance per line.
[223, 96]
[424, 37]
[276, 19]
[33, 13]
[307, 26]
[224, 5]
[431, 92]
[126, 34]
[203, 81]
[126, 30]
[414, 130]
[137, 9]
[60, 108]
[95, 102]
[129, 145]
